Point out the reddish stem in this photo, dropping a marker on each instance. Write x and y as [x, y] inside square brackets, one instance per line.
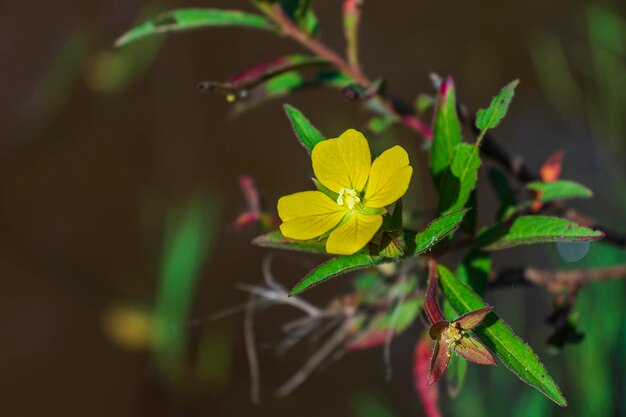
[430, 303]
[292, 30]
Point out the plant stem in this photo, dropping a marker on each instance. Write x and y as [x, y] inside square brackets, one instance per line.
[290, 29]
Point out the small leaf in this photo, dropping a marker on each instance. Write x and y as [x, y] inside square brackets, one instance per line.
[499, 337]
[278, 241]
[490, 118]
[459, 180]
[380, 124]
[287, 83]
[187, 19]
[474, 351]
[559, 190]
[334, 267]
[438, 229]
[527, 230]
[446, 132]
[472, 319]
[306, 133]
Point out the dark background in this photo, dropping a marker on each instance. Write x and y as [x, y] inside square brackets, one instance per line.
[98, 149]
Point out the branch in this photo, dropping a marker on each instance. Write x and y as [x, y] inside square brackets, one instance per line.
[490, 147]
[314, 45]
[517, 168]
[555, 281]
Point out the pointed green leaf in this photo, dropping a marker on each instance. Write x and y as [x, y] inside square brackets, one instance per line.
[527, 230]
[498, 336]
[559, 190]
[490, 117]
[187, 19]
[438, 229]
[334, 267]
[446, 131]
[459, 180]
[278, 241]
[306, 133]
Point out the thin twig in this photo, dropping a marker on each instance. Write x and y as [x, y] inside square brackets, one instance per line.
[314, 361]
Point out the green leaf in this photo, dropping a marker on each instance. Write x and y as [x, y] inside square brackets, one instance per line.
[287, 83]
[474, 270]
[559, 190]
[446, 132]
[334, 267]
[459, 180]
[490, 117]
[187, 19]
[306, 133]
[527, 230]
[498, 336]
[278, 241]
[437, 230]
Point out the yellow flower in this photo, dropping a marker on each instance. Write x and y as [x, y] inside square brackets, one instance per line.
[362, 190]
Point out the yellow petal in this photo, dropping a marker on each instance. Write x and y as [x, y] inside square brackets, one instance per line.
[308, 214]
[343, 162]
[354, 234]
[389, 178]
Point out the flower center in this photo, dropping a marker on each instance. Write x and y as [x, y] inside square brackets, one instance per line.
[453, 335]
[348, 198]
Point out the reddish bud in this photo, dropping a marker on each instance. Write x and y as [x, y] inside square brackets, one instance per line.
[551, 169]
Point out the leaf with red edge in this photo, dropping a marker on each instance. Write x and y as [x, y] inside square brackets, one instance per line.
[551, 169]
[429, 395]
[269, 69]
[473, 318]
[474, 351]
[439, 362]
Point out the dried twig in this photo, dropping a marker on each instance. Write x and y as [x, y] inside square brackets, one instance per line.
[338, 337]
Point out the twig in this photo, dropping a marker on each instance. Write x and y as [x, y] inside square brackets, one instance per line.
[314, 361]
[291, 30]
[555, 281]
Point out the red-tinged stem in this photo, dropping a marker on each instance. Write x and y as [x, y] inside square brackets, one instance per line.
[292, 30]
[430, 303]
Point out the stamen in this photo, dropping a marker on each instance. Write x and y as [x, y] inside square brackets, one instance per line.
[348, 197]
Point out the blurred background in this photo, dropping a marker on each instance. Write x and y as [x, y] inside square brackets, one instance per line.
[118, 190]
